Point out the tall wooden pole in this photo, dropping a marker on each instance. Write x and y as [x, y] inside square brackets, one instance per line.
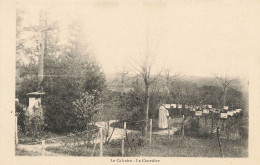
[151, 127]
[182, 125]
[43, 147]
[123, 140]
[168, 120]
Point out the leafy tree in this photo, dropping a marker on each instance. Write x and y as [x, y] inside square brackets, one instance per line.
[184, 92]
[234, 98]
[210, 94]
[67, 78]
[85, 108]
[133, 105]
[111, 106]
[69, 70]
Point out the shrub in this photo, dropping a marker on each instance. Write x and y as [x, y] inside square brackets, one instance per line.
[85, 108]
[34, 124]
[193, 126]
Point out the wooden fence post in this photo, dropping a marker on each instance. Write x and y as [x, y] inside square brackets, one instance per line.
[182, 125]
[101, 142]
[169, 128]
[198, 122]
[43, 147]
[123, 140]
[223, 127]
[212, 123]
[151, 127]
[16, 131]
[107, 134]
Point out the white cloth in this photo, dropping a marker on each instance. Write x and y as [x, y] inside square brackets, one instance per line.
[163, 113]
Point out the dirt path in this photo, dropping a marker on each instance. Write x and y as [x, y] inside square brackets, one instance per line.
[118, 132]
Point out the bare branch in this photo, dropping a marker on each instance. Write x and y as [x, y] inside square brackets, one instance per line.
[156, 77]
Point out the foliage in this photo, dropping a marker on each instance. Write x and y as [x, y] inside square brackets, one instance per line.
[85, 108]
[234, 98]
[69, 70]
[133, 104]
[111, 106]
[193, 126]
[184, 92]
[210, 94]
[26, 81]
[34, 124]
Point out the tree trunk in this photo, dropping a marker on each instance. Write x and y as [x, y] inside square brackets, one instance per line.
[147, 100]
[224, 97]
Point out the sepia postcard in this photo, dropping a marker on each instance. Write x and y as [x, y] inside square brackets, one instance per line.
[129, 81]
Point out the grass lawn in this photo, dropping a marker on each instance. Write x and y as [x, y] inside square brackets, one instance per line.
[190, 147]
[162, 147]
[22, 152]
[24, 139]
[201, 144]
[83, 150]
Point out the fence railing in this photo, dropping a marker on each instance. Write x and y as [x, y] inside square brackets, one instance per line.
[135, 134]
[90, 139]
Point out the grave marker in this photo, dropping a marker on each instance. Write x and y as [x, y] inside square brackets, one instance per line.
[173, 105]
[198, 113]
[206, 111]
[223, 115]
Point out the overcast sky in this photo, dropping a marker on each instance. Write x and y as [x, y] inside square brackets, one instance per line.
[196, 38]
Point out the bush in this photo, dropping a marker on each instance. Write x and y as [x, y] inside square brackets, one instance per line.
[85, 108]
[34, 124]
[193, 126]
[243, 126]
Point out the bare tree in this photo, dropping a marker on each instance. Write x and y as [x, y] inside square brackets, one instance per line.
[144, 69]
[225, 82]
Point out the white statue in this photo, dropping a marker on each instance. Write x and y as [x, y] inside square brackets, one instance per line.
[163, 114]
